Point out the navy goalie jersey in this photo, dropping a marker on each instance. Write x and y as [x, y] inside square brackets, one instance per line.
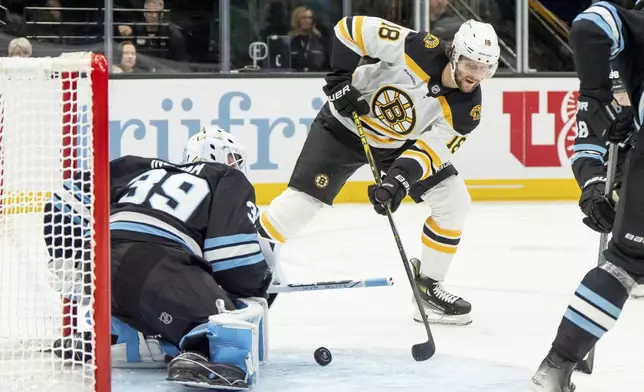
[207, 209]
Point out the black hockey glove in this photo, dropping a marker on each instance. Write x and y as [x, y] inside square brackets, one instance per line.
[393, 189]
[608, 121]
[599, 211]
[346, 99]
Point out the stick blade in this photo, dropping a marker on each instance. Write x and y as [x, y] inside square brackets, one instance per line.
[423, 351]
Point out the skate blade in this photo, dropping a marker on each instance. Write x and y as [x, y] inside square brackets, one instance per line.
[196, 384]
[444, 319]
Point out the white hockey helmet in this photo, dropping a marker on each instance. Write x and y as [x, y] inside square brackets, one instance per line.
[475, 53]
[215, 145]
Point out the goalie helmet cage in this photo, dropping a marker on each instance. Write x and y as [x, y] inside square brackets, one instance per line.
[54, 161]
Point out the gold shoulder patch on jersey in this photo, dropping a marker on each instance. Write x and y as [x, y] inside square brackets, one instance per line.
[395, 109]
[476, 113]
[431, 41]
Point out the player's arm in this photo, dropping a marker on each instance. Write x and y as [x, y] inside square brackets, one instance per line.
[588, 158]
[232, 244]
[356, 37]
[597, 38]
[429, 157]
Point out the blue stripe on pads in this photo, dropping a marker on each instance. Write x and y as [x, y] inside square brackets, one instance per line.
[584, 324]
[229, 240]
[146, 229]
[238, 262]
[598, 301]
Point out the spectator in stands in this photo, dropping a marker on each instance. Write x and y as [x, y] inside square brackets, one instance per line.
[19, 47]
[443, 23]
[49, 26]
[276, 20]
[156, 35]
[308, 51]
[128, 58]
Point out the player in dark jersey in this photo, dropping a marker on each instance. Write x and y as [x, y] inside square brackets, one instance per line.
[187, 266]
[589, 167]
[417, 100]
[602, 36]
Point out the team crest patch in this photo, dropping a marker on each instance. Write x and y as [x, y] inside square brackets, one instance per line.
[321, 181]
[395, 109]
[476, 113]
[431, 41]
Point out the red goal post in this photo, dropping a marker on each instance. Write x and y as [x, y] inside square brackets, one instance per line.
[54, 155]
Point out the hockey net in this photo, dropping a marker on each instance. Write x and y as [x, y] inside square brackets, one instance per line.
[53, 125]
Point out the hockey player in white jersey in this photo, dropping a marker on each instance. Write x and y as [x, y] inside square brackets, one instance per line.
[418, 101]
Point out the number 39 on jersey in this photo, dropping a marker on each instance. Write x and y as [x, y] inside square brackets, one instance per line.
[178, 194]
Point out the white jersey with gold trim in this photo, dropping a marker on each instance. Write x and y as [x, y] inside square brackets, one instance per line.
[402, 85]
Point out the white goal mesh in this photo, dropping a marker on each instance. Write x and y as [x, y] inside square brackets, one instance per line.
[48, 267]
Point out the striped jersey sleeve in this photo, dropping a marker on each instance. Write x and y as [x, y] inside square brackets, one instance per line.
[356, 37]
[231, 245]
[605, 16]
[596, 37]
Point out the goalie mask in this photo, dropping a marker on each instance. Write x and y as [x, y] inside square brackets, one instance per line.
[215, 145]
[475, 54]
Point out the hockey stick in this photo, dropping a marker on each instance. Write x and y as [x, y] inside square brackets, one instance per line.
[586, 366]
[420, 351]
[331, 285]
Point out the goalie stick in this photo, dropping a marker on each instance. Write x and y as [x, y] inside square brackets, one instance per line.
[586, 366]
[331, 285]
[420, 351]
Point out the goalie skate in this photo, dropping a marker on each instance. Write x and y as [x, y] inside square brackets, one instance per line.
[441, 306]
[194, 370]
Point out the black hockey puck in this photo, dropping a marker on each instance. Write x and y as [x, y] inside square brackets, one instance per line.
[322, 356]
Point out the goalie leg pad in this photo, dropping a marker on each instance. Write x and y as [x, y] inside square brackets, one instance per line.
[237, 338]
[135, 351]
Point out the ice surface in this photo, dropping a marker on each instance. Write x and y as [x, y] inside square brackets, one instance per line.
[517, 263]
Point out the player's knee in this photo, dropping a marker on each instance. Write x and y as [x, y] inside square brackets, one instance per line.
[237, 338]
[288, 213]
[450, 201]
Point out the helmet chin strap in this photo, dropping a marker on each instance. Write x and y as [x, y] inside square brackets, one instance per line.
[452, 64]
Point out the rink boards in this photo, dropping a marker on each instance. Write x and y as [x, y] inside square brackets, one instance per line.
[520, 151]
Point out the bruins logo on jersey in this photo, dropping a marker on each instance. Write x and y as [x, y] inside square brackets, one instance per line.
[476, 113]
[395, 108]
[431, 41]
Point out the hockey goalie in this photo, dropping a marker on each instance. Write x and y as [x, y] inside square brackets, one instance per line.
[189, 273]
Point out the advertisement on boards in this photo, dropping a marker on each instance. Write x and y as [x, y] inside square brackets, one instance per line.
[519, 151]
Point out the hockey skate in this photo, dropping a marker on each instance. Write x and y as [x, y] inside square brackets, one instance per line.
[194, 370]
[441, 306]
[554, 374]
[638, 292]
